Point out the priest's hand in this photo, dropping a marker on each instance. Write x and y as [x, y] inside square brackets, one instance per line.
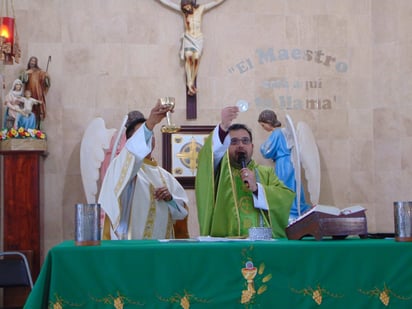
[157, 114]
[249, 178]
[162, 194]
[228, 114]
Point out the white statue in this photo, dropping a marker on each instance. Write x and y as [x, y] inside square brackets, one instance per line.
[96, 139]
[304, 154]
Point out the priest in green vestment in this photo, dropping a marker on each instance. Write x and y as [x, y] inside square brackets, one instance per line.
[233, 192]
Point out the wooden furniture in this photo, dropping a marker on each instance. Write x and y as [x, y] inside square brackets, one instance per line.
[21, 202]
[320, 225]
[236, 273]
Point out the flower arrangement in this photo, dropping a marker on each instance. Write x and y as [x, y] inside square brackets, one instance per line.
[21, 133]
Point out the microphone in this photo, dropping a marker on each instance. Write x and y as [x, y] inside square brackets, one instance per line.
[241, 159]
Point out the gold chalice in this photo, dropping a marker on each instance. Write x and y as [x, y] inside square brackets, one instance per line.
[249, 273]
[170, 127]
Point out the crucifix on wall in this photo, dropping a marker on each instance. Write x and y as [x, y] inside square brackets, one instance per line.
[192, 45]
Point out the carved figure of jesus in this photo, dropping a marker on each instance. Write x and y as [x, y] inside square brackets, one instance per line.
[28, 102]
[192, 39]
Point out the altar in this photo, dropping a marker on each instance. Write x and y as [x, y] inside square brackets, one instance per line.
[350, 273]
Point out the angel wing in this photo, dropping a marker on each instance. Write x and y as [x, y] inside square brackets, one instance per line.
[309, 155]
[305, 154]
[119, 135]
[95, 140]
[293, 144]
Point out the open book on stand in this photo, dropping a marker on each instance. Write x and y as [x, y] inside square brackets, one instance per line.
[323, 220]
[332, 210]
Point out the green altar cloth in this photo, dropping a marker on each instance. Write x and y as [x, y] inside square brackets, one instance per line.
[350, 273]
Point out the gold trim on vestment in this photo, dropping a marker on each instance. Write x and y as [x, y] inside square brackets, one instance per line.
[120, 186]
[234, 193]
[151, 218]
[123, 174]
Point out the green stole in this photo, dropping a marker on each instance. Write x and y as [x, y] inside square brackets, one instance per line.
[225, 205]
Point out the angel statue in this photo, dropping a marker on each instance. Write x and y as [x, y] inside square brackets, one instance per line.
[94, 145]
[292, 149]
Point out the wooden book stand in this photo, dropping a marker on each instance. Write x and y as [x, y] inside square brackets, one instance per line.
[319, 225]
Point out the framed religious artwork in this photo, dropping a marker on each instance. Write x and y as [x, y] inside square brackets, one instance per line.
[180, 151]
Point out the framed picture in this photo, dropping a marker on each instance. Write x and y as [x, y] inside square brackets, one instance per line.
[180, 151]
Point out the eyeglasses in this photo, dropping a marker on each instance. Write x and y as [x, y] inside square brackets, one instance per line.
[244, 140]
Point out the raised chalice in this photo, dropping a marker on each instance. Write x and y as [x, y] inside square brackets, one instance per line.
[170, 127]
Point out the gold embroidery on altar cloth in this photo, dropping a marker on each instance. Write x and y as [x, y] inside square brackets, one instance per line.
[316, 294]
[61, 303]
[118, 301]
[384, 295]
[183, 300]
[255, 278]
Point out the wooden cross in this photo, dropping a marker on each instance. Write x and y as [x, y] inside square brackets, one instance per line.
[191, 105]
[192, 44]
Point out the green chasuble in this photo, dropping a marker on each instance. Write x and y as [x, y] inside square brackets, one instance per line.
[225, 205]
